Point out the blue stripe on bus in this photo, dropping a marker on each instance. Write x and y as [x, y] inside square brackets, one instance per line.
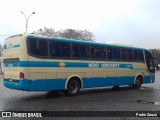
[5, 46]
[13, 46]
[65, 64]
[59, 84]
[17, 45]
[11, 64]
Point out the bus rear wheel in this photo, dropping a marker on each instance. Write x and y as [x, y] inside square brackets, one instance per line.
[138, 83]
[73, 88]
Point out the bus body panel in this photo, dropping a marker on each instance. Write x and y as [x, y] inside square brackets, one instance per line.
[59, 84]
[41, 78]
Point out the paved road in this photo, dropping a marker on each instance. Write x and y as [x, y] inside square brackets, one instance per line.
[126, 99]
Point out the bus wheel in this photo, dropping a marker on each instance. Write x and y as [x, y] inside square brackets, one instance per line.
[73, 88]
[138, 83]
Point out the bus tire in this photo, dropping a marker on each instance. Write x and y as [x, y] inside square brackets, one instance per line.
[73, 87]
[138, 83]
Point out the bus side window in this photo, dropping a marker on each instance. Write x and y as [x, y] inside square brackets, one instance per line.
[116, 53]
[84, 50]
[75, 51]
[54, 49]
[102, 53]
[38, 47]
[124, 53]
[65, 50]
[109, 53]
[130, 54]
[138, 55]
[94, 52]
[127, 54]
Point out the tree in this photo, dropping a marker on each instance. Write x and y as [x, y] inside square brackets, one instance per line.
[156, 56]
[67, 33]
[49, 32]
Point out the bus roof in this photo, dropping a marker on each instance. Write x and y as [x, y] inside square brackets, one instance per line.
[18, 35]
[77, 41]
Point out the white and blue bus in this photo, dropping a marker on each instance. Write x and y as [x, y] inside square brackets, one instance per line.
[37, 63]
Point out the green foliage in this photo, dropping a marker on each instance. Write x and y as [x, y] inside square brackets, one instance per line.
[156, 54]
[67, 33]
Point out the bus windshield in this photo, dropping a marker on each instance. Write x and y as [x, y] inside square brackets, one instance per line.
[150, 61]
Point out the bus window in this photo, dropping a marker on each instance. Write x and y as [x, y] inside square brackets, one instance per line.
[102, 53]
[94, 52]
[127, 54]
[124, 55]
[84, 50]
[138, 55]
[130, 54]
[65, 50]
[38, 47]
[75, 51]
[109, 53]
[54, 49]
[116, 53]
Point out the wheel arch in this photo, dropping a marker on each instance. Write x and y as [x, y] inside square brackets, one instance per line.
[139, 75]
[75, 77]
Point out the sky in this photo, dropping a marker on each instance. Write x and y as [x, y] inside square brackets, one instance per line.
[133, 22]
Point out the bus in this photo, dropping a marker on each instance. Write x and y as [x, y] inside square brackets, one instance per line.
[38, 63]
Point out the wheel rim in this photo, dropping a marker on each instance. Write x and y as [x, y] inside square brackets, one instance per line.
[73, 88]
[138, 82]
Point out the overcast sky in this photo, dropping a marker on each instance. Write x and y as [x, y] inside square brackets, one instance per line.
[135, 22]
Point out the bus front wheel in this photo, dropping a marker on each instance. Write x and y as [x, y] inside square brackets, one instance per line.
[73, 88]
[138, 83]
